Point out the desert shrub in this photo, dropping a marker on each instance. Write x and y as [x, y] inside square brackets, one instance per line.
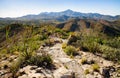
[66, 66]
[110, 53]
[44, 60]
[65, 35]
[38, 60]
[36, 37]
[84, 61]
[13, 48]
[115, 42]
[58, 30]
[43, 37]
[35, 45]
[27, 54]
[118, 70]
[101, 41]
[96, 67]
[62, 33]
[64, 45]
[107, 47]
[16, 65]
[29, 44]
[49, 42]
[86, 71]
[71, 39]
[94, 46]
[26, 48]
[3, 51]
[70, 50]
[89, 44]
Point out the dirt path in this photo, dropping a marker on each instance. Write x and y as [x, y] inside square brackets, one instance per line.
[67, 64]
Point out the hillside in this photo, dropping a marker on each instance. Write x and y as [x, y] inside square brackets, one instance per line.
[78, 48]
[84, 25]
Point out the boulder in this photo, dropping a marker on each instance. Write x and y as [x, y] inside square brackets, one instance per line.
[106, 73]
[72, 75]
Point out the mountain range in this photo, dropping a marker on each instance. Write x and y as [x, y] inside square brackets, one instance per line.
[111, 28]
[65, 15]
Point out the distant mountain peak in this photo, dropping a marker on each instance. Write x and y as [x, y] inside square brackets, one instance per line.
[68, 10]
[67, 14]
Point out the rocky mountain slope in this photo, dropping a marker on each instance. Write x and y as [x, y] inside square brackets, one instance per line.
[65, 66]
[74, 49]
[110, 28]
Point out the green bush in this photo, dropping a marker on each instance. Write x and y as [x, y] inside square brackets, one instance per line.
[64, 45]
[89, 44]
[71, 39]
[98, 44]
[34, 45]
[87, 71]
[96, 67]
[63, 34]
[115, 42]
[27, 54]
[38, 60]
[58, 30]
[110, 53]
[3, 52]
[49, 42]
[16, 65]
[43, 37]
[36, 37]
[84, 61]
[44, 60]
[31, 58]
[70, 50]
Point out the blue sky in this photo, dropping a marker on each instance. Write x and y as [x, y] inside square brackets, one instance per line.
[16, 8]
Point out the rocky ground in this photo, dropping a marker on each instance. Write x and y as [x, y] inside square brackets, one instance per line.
[67, 67]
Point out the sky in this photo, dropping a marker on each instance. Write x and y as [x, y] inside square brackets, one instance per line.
[17, 8]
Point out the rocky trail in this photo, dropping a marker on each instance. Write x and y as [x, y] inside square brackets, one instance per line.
[66, 67]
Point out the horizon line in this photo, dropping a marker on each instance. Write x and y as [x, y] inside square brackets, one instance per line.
[57, 11]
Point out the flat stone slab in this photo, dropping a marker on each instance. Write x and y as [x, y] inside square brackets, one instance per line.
[64, 60]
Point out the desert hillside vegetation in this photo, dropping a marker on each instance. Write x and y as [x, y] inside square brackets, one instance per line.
[23, 45]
